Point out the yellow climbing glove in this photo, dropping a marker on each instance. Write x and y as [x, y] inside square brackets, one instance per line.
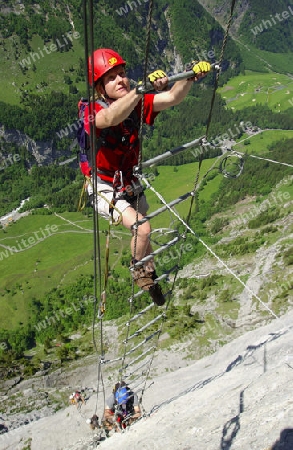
[201, 67]
[154, 82]
[156, 75]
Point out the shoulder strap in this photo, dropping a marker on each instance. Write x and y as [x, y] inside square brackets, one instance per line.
[102, 103]
[106, 130]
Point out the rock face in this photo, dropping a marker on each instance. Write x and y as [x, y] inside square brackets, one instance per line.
[220, 11]
[43, 152]
[237, 398]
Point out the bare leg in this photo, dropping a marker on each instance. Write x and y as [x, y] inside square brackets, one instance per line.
[108, 420]
[142, 247]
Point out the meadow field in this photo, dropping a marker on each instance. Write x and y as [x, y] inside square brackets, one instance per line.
[270, 89]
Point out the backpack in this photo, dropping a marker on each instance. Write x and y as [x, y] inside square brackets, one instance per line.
[83, 138]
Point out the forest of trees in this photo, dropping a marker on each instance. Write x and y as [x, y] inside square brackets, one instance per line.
[268, 26]
[38, 121]
[58, 186]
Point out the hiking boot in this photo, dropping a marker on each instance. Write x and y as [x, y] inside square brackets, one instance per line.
[157, 295]
[143, 278]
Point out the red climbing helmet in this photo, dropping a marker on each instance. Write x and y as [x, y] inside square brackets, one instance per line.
[104, 59]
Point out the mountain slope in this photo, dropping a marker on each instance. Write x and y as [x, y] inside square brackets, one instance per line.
[237, 398]
[265, 24]
[43, 44]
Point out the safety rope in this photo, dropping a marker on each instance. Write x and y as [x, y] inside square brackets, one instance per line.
[204, 140]
[267, 159]
[146, 56]
[88, 21]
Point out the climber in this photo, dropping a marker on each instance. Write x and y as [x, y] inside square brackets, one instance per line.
[122, 407]
[76, 399]
[116, 117]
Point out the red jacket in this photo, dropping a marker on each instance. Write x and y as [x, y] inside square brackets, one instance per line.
[120, 145]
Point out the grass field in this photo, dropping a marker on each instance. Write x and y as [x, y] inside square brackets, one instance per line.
[51, 261]
[262, 61]
[259, 143]
[49, 67]
[271, 89]
[57, 258]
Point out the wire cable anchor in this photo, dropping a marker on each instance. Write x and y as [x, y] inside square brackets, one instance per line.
[231, 168]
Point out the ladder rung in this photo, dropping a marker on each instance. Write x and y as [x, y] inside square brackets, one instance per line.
[166, 274]
[107, 361]
[135, 385]
[148, 338]
[120, 358]
[137, 358]
[162, 209]
[143, 311]
[155, 253]
[128, 375]
[135, 381]
[172, 152]
[138, 332]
